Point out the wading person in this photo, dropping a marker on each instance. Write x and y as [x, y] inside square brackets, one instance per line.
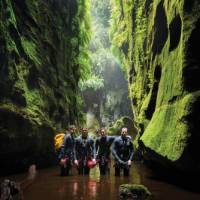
[103, 144]
[67, 152]
[122, 151]
[85, 156]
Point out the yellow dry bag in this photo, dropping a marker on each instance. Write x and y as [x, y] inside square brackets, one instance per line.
[58, 140]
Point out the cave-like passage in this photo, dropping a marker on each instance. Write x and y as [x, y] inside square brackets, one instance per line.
[105, 92]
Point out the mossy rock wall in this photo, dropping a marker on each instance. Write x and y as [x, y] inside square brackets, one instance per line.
[163, 69]
[39, 74]
[127, 122]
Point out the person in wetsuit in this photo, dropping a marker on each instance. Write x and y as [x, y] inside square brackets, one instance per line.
[103, 144]
[84, 152]
[123, 151]
[67, 152]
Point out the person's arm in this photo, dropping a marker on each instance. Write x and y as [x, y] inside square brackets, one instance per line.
[111, 139]
[93, 149]
[114, 151]
[97, 146]
[75, 151]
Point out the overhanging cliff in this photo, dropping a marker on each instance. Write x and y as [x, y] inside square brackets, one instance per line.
[158, 43]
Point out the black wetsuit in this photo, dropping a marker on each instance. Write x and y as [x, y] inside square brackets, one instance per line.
[85, 150]
[103, 152]
[67, 152]
[122, 151]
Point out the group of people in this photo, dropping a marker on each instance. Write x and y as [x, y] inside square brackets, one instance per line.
[85, 153]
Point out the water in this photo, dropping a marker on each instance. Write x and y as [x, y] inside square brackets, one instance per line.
[50, 186]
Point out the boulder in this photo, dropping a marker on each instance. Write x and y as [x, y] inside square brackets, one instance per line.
[134, 192]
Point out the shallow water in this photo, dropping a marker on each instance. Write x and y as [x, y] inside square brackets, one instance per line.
[50, 186]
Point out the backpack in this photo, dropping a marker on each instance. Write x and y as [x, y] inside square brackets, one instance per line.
[58, 140]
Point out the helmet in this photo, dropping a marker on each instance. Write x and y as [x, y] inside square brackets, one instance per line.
[90, 164]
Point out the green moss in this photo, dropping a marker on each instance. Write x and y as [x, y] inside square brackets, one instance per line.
[161, 102]
[44, 53]
[115, 129]
[132, 191]
[10, 14]
[166, 135]
[30, 49]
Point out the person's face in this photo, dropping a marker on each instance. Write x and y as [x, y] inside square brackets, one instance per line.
[72, 130]
[103, 133]
[124, 132]
[84, 132]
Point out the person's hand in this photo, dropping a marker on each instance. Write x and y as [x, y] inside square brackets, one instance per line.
[129, 162]
[121, 162]
[62, 161]
[94, 161]
[76, 162]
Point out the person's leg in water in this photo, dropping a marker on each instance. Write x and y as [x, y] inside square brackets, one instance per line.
[117, 168]
[102, 170]
[126, 170]
[80, 167]
[65, 167]
[68, 168]
[103, 166]
[108, 166]
[86, 170]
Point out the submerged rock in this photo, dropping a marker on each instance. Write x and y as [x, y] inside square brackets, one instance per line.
[134, 192]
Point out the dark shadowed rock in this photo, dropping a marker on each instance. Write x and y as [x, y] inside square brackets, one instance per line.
[39, 74]
[134, 192]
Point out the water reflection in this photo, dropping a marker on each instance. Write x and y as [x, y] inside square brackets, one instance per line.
[75, 188]
[49, 185]
[92, 187]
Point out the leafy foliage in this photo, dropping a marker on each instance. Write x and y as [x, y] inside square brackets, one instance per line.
[94, 83]
[119, 29]
[84, 24]
[105, 86]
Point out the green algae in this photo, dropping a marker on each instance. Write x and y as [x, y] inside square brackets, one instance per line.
[40, 67]
[155, 62]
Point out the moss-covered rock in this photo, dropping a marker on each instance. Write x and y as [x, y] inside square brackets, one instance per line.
[134, 191]
[40, 58]
[163, 68]
[115, 129]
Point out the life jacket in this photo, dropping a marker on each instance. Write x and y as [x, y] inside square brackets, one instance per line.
[58, 140]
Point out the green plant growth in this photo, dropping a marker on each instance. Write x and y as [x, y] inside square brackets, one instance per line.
[43, 55]
[105, 85]
[156, 44]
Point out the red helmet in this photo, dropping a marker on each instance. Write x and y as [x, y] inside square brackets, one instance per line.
[90, 164]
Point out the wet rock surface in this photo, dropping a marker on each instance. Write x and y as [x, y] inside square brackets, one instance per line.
[116, 128]
[134, 192]
[163, 67]
[39, 76]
